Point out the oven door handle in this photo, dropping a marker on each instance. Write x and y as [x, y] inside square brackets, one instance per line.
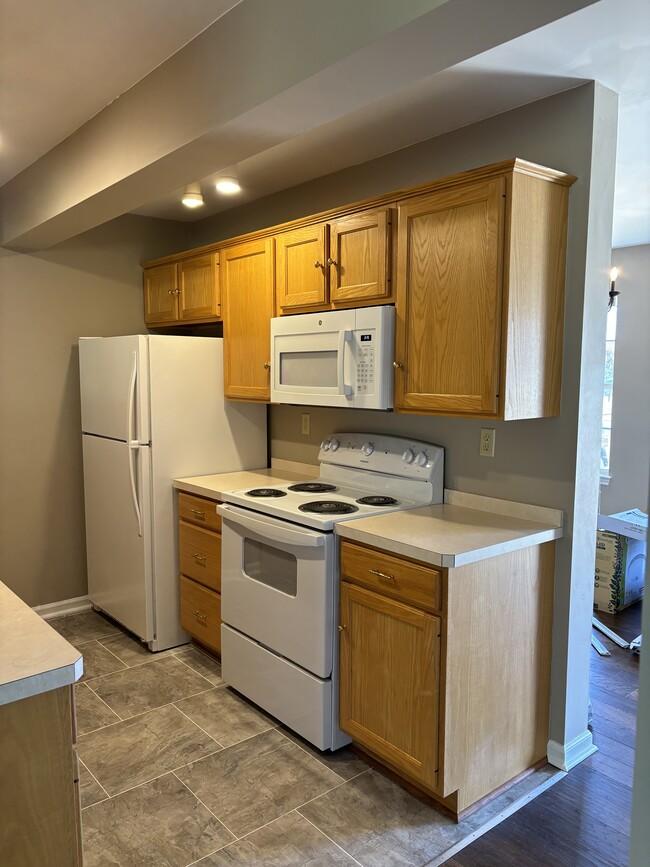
[275, 531]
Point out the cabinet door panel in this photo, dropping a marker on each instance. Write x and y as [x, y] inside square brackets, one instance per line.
[301, 270]
[450, 263]
[199, 287]
[247, 275]
[390, 680]
[160, 298]
[360, 247]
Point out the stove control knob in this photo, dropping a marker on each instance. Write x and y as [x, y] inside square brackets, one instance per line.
[334, 444]
[421, 459]
[409, 456]
[325, 445]
[368, 449]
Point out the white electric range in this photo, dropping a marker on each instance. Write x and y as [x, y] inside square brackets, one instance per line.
[279, 582]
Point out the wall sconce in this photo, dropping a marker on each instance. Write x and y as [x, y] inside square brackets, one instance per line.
[613, 292]
[228, 184]
[192, 197]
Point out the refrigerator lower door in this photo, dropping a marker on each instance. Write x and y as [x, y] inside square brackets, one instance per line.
[120, 580]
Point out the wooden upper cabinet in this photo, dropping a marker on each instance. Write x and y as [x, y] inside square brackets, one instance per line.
[449, 299]
[198, 279]
[359, 260]
[247, 285]
[480, 292]
[160, 294]
[301, 270]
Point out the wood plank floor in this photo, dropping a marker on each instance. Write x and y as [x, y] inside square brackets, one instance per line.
[584, 820]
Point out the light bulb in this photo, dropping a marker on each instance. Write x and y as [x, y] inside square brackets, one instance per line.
[613, 274]
[228, 185]
[192, 200]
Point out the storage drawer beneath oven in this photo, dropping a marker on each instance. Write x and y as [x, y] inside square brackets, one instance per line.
[300, 700]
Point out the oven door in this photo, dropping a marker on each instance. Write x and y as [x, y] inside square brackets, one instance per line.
[277, 586]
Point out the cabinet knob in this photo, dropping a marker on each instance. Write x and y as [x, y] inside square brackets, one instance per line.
[398, 365]
[331, 261]
[177, 291]
[341, 627]
[170, 291]
[317, 264]
[267, 365]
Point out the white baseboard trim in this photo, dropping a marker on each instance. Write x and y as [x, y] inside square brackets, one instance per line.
[567, 756]
[64, 607]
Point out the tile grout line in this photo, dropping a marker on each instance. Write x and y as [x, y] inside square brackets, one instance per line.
[119, 718]
[198, 673]
[84, 765]
[327, 791]
[121, 661]
[211, 812]
[197, 725]
[338, 846]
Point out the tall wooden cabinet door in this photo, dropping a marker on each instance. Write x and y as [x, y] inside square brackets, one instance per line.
[359, 262]
[247, 285]
[449, 297]
[390, 680]
[160, 295]
[198, 279]
[301, 271]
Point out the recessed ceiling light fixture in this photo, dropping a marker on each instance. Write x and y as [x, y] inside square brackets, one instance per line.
[228, 184]
[192, 197]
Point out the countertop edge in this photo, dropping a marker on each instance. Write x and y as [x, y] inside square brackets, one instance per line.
[46, 681]
[440, 559]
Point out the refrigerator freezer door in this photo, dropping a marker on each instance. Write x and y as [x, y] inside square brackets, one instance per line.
[115, 386]
[119, 559]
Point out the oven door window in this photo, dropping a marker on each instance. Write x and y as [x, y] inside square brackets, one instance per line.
[271, 566]
[317, 369]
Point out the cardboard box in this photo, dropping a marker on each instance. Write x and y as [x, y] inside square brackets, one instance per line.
[633, 524]
[620, 560]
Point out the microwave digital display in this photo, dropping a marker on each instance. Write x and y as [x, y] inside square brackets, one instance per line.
[365, 338]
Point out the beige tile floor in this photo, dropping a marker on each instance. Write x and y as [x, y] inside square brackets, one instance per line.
[177, 769]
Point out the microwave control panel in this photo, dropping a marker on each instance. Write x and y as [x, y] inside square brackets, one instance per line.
[365, 359]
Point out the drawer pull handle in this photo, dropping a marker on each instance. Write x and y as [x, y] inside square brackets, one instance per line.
[342, 627]
[198, 513]
[202, 618]
[382, 575]
[199, 558]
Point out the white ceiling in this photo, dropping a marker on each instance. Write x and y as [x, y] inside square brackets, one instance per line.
[65, 78]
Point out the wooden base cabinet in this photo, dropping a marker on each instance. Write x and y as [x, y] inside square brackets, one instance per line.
[454, 700]
[199, 533]
[40, 813]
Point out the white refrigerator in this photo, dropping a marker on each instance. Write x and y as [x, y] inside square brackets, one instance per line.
[152, 409]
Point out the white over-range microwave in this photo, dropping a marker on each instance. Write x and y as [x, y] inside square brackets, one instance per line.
[337, 358]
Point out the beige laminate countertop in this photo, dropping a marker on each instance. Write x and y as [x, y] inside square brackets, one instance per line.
[33, 657]
[215, 486]
[463, 529]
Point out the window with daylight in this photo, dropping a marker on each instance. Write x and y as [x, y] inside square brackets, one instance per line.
[606, 431]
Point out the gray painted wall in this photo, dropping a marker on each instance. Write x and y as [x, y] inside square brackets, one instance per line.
[630, 454]
[535, 460]
[90, 285]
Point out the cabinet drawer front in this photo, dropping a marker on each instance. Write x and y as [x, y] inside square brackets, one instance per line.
[199, 510]
[200, 555]
[401, 579]
[201, 613]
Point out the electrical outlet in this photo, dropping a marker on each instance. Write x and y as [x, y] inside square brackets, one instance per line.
[306, 424]
[486, 448]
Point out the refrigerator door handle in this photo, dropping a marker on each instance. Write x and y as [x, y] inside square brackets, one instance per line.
[133, 444]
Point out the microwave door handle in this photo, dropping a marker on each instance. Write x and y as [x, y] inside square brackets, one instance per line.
[273, 531]
[344, 337]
